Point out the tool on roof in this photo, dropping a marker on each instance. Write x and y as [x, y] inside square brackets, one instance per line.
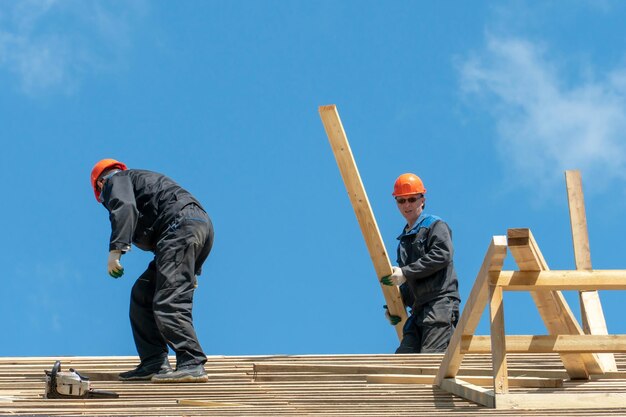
[71, 384]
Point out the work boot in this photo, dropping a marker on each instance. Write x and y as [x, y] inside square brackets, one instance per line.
[145, 371]
[189, 373]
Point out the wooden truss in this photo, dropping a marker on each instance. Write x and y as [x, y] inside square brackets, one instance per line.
[577, 349]
[585, 351]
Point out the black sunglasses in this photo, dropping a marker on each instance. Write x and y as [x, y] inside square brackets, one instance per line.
[404, 200]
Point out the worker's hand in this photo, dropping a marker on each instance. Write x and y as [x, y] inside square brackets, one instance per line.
[392, 319]
[115, 268]
[396, 278]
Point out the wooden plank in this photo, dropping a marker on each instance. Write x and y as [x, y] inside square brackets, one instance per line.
[207, 403]
[592, 315]
[606, 279]
[498, 341]
[552, 306]
[231, 382]
[305, 377]
[578, 219]
[278, 368]
[342, 369]
[362, 209]
[548, 344]
[554, 401]
[474, 307]
[468, 391]
[485, 380]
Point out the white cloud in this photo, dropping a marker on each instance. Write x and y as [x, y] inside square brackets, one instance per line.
[545, 122]
[51, 44]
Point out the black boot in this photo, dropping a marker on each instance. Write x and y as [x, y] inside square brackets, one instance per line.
[189, 373]
[145, 371]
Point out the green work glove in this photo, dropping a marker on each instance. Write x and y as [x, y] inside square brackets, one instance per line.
[392, 319]
[396, 278]
[114, 266]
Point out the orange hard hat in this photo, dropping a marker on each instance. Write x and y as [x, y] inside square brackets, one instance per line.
[99, 168]
[408, 184]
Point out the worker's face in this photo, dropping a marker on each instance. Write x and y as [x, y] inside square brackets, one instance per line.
[411, 206]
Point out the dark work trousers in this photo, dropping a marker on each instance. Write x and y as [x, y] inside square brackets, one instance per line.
[430, 327]
[162, 298]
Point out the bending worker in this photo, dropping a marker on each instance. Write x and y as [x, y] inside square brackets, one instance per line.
[425, 274]
[157, 215]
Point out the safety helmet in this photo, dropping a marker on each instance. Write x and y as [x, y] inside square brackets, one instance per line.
[99, 168]
[408, 184]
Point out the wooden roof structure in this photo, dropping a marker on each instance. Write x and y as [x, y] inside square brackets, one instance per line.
[586, 351]
[315, 385]
[574, 370]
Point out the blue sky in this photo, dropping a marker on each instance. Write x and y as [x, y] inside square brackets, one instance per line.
[489, 102]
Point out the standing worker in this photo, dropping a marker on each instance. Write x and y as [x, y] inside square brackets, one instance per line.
[157, 215]
[426, 275]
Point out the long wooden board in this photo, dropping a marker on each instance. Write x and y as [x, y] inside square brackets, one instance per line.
[548, 343]
[498, 341]
[572, 401]
[599, 279]
[484, 380]
[592, 316]
[362, 209]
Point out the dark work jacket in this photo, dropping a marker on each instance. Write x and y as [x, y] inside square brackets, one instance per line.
[141, 205]
[425, 256]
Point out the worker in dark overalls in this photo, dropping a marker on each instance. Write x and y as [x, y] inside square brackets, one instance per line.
[425, 272]
[156, 214]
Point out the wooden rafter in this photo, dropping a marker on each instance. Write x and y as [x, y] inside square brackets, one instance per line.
[362, 209]
[578, 351]
[592, 316]
[548, 344]
[609, 279]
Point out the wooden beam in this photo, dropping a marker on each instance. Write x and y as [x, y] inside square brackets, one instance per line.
[548, 343]
[474, 307]
[362, 209]
[358, 369]
[607, 279]
[498, 341]
[468, 391]
[207, 403]
[591, 313]
[552, 306]
[342, 369]
[578, 219]
[553, 401]
[484, 380]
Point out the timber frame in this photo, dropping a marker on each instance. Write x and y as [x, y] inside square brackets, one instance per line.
[585, 351]
[577, 349]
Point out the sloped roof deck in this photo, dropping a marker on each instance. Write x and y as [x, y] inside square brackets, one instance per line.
[303, 385]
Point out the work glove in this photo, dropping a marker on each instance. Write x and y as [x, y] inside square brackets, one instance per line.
[396, 278]
[115, 268]
[392, 319]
